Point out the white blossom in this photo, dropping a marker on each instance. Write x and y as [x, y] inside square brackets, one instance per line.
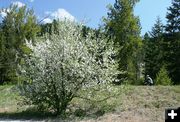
[62, 64]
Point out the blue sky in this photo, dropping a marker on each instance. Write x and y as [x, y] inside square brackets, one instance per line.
[91, 11]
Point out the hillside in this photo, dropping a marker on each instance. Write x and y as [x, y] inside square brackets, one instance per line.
[132, 104]
[145, 104]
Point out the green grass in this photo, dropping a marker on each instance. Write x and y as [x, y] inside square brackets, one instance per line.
[147, 101]
[8, 98]
[10, 107]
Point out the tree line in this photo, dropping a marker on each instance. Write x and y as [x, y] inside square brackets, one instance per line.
[162, 45]
[156, 53]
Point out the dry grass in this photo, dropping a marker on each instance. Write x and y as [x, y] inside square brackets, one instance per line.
[143, 104]
[8, 99]
[132, 104]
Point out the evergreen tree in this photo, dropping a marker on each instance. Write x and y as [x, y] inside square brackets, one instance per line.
[149, 55]
[162, 77]
[154, 49]
[122, 25]
[3, 69]
[49, 28]
[18, 25]
[172, 41]
[158, 29]
[173, 17]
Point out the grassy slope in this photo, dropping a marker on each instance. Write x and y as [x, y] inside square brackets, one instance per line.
[132, 104]
[145, 104]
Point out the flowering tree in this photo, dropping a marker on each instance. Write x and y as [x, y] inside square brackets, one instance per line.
[64, 63]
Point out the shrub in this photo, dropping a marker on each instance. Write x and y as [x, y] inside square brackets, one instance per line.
[62, 64]
[162, 77]
[80, 113]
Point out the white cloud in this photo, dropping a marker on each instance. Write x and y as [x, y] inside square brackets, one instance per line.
[60, 14]
[18, 4]
[31, 1]
[47, 20]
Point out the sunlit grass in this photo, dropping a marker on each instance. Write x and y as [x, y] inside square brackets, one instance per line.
[148, 101]
[8, 98]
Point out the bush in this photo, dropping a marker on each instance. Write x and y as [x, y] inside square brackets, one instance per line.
[162, 77]
[62, 64]
[80, 113]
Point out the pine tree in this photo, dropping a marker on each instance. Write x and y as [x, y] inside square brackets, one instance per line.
[162, 77]
[122, 25]
[18, 25]
[158, 29]
[149, 55]
[49, 28]
[172, 41]
[2, 57]
[154, 49]
[173, 17]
